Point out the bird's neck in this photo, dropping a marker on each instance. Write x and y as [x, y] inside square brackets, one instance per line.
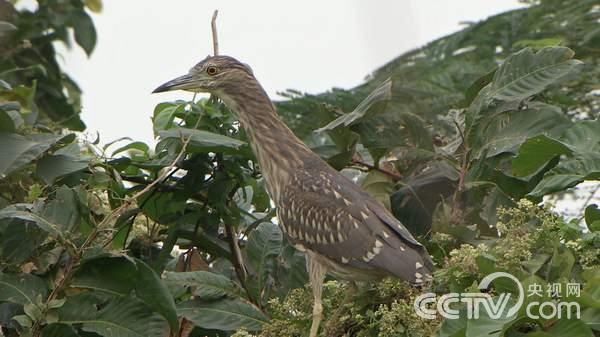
[278, 151]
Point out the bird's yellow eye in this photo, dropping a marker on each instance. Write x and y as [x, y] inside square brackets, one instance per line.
[211, 70]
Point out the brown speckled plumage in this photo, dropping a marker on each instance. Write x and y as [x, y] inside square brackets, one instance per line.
[341, 228]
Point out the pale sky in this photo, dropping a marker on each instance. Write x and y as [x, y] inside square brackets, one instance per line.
[306, 45]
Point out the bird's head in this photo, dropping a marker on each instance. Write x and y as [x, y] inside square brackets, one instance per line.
[213, 74]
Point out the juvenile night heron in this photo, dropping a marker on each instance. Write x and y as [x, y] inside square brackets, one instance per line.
[340, 227]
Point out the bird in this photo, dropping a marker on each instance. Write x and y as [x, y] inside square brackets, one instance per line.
[341, 229]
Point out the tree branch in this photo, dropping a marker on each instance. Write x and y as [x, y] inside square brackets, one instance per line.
[393, 175]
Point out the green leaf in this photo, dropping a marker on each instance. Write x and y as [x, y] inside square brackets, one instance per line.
[381, 94]
[489, 327]
[538, 43]
[535, 152]
[21, 288]
[205, 285]
[6, 122]
[521, 75]
[45, 225]
[507, 132]
[264, 245]
[570, 327]
[140, 146]
[150, 289]
[455, 327]
[202, 141]
[123, 317]
[379, 186]
[555, 183]
[164, 113]
[85, 33]
[579, 145]
[52, 167]
[526, 73]
[17, 151]
[64, 209]
[592, 217]
[568, 173]
[583, 136]
[59, 330]
[119, 275]
[591, 317]
[590, 294]
[225, 314]
[163, 207]
[561, 265]
[115, 275]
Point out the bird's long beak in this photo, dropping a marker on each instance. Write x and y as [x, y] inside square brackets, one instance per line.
[185, 82]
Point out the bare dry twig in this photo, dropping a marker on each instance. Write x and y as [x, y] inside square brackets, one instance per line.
[213, 25]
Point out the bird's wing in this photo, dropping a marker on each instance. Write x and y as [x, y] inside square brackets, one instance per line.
[329, 214]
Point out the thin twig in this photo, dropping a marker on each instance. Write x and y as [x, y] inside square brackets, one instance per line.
[393, 175]
[237, 260]
[213, 25]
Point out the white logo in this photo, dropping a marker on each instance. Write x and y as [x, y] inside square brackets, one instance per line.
[429, 305]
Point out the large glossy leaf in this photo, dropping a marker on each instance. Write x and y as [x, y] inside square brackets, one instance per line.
[569, 173]
[489, 327]
[379, 186]
[115, 275]
[52, 167]
[571, 328]
[508, 131]
[64, 209]
[17, 151]
[535, 152]
[579, 144]
[59, 330]
[21, 288]
[455, 327]
[202, 140]
[119, 275]
[164, 113]
[526, 73]
[224, 314]
[119, 317]
[205, 285]
[45, 225]
[264, 245]
[521, 75]
[150, 289]
[583, 136]
[591, 317]
[163, 207]
[380, 95]
[7, 124]
[414, 203]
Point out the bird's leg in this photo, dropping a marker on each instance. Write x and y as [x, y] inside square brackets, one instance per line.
[316, 272]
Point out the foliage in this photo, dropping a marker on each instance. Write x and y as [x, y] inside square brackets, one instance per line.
[469, 134]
